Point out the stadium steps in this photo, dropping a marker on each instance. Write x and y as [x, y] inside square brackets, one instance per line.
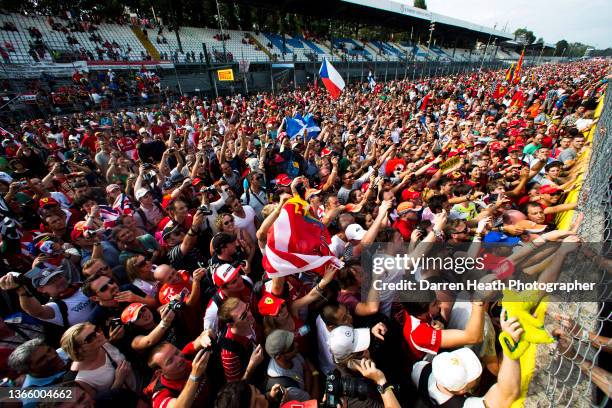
[146, 43]
[260, 45]
[375, 52]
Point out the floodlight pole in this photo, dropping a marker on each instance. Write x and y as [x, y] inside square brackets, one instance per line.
[222, 32]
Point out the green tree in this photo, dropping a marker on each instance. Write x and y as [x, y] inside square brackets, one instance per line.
[561, 46]
[420, 4]
[529, 36]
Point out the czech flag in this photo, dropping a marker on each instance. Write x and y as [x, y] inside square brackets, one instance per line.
[331, 79]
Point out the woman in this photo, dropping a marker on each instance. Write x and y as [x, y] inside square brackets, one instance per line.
[225, 223]
[131, 244]
[140, 273]
[101, 368]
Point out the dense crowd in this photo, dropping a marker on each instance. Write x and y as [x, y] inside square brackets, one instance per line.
[136, 243]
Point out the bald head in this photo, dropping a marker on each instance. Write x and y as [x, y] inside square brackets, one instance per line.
[511, 217]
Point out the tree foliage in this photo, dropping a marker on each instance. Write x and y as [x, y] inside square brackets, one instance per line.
[529, 35]
[420, 4]
[561, 47]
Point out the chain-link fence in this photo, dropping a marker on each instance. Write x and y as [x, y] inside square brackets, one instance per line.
[579, 376]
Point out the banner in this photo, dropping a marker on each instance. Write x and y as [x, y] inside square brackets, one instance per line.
[225, 74]
[451, 164]
[104, 65]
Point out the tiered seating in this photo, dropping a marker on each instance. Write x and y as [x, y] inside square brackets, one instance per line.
[57, 41]
[193, 37]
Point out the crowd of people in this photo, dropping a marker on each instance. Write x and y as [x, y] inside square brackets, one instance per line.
[136, 243]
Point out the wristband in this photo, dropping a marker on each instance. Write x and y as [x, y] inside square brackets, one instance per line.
[194, 378]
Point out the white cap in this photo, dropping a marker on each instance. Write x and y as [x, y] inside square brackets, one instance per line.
[454, 370]
[344, 341]
[142, 130]
[140, 193]
[354, 232]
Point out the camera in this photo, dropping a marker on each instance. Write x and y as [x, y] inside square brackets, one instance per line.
[114, 323]
[148, 166]
[209, 189]
[204, 210]
[337, 386]
[176, 305]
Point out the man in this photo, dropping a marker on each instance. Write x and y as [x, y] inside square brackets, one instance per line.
[245, 217]
[68, 305]
[423, 335]
[183, 253]
[549, 198]
[451, 376]
[182, 383]
[239, 341]
[231, 283]
[149, 213]
[42, 365]
[255, 196]
[288, 367]
[332, 316]
[408, 218]
[225, 246]
[110, 299]
[568, 156]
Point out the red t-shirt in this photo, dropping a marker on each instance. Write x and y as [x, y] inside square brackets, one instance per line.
[405, 228]
[173, 290]
[233, 368]
[421, 338]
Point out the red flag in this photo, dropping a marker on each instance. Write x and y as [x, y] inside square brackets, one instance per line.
[297, 242]
[517, 71]
[518, 99]
[500, 91]
[510, 73]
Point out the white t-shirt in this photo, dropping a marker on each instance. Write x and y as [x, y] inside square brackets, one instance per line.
[79, 308]
[153, 216]
[326, 361]
[102, 377]
[247, 223]
[337, 246]
[296, 372]
[436, 395]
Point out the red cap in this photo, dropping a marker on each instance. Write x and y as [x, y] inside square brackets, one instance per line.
[270, 305]
[325, 152]
[47, 202]
[490, 118]
[78, 230]
[513, 148]
[408, 195]
[300, 404]
[166, 201]
[495, 146]
[225, 273]
[548, 189]
[130, 313]
[283, 180]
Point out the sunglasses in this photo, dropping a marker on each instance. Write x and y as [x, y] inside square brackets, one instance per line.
[106, 286]
[91, 336]
[141, 263]
[228, 222]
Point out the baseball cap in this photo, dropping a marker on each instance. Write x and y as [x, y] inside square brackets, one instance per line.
[409, 194]
[112, 187]
[496, 237]
[142, 130]
[407, 206]
[344, 341]
[283, 180]
[548, 189]
[225, 273]
[78, 230]
[454, 370]
[530, 226]
[47, 202]
[513, 148]
[354, 232]
[141, 192]
[130, 313]
[270, 305]
[300, 404]
[40, 277]
[310, 192]
[279, 342]
[171, 228]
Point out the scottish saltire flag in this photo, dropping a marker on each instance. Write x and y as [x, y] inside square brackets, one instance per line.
[295, 127]
[297, 242]
[371, 80]
[298, 124]
[311, 126]
[331, 79]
